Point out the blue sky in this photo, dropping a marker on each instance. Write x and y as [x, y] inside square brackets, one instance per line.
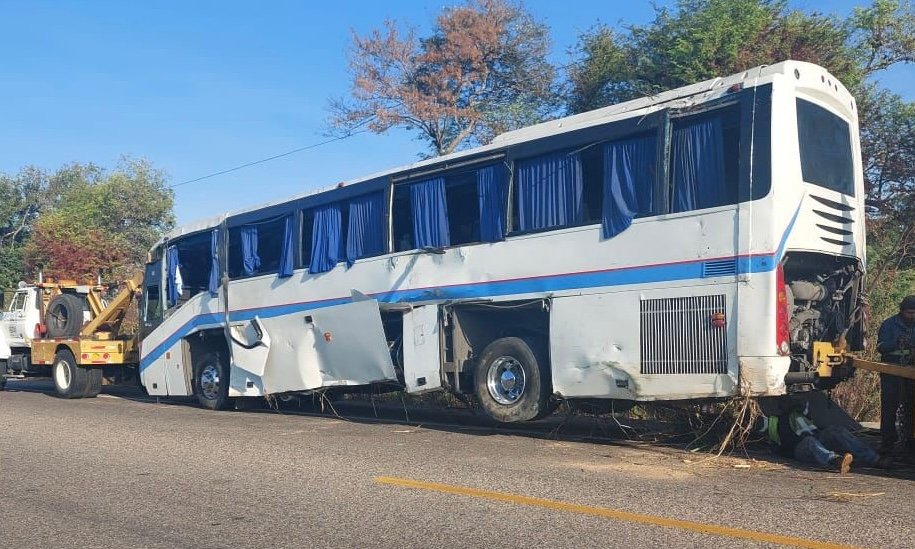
[197, 87]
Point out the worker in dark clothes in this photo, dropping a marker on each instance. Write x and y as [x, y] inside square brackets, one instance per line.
[894, 343]
[795, 435]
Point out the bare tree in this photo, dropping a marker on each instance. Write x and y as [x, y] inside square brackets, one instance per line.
[483, 70]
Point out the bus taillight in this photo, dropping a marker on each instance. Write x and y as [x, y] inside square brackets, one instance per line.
[781, 313]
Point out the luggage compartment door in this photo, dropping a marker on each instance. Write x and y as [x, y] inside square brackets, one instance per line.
[332, 346]
[422, 349]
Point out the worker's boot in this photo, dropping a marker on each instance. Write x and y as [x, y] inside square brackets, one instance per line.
[842, 463]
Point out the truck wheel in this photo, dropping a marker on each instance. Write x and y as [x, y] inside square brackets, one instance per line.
[65, 316]
[3, 374]
[93, 381]
[69, 379]
[512, 382]
[211, 381]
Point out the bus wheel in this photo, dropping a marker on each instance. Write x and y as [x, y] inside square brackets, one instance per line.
[211, 382]
[70, 380]
[511, 381]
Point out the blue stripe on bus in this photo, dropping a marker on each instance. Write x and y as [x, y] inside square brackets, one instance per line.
[553, 283]
[644, 274]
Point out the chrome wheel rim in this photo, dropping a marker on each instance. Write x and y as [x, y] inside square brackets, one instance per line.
[62, 374]
[209, 382]
[505, 380]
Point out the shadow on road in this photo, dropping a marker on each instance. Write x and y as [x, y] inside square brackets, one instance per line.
[566, 425]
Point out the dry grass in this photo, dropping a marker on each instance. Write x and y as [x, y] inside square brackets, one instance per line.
[860, 396]
[727, 428]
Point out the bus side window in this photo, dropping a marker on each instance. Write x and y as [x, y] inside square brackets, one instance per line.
[194, 264]
[365, 225]
[704, 160]
[152, 306]
[629, 177]
[308, 230]
[463, 208]
[402, 222]
[270, 244]
[549, 191]
[592, 169]
[324, 235]
[257, 248]
[151, 309]
[462, 203]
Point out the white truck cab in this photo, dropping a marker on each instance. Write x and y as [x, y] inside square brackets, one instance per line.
[18, 325]
[21, 317]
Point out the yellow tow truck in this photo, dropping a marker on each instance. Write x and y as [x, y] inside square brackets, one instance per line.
[82, 338]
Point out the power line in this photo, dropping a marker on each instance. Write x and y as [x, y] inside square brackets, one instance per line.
[301, 149]
[268, 159]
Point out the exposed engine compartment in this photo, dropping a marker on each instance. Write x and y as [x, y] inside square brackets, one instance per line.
[825, 303]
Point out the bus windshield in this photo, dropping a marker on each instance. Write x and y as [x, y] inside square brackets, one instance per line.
[825, 147]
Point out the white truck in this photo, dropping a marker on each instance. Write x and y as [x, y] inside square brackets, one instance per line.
[19, 324]
[71, 332]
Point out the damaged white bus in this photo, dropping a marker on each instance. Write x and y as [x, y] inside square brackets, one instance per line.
[693, 244]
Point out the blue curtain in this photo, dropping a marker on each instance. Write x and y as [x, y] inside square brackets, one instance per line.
[629, 179]
[326, 238]
[171, 259]
[251, 261]
[430, 214]
[287, 254]
[492, 190]
[698, 166]
[214, 263]
[550, 191]
[365, 233]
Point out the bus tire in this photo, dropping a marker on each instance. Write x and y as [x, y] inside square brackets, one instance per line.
[70, 380]
[511, 381]
[93, 382]
[211, 381]
[65, 316]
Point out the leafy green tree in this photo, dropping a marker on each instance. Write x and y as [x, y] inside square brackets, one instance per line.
[10, 269]
[22, 198]
[98, 222]
[698, 40]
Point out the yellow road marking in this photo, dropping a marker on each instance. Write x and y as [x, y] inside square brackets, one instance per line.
[605, 512]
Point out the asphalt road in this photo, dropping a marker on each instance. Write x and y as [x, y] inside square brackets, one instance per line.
[125, 472]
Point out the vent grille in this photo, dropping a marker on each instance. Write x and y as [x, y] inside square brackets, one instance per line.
[834, 230]
[677, 336]
[721, 267]
[834, 205]
[834, 218]
[840, 215]
[834, 241]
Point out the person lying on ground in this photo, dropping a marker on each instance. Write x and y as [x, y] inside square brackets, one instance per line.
[795, 435]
